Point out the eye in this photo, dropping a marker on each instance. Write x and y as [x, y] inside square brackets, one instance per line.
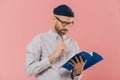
[64, 22]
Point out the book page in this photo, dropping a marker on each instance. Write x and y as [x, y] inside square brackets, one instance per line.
[91, 53]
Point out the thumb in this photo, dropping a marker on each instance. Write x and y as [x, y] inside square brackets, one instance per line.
[62, 39]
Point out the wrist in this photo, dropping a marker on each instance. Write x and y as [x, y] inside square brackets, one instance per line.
[52, 58]
[75, 73]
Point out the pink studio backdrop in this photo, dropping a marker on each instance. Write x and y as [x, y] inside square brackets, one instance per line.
[96, 28]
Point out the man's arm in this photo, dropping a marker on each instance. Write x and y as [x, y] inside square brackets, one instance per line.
[58, 51]
[34, 64]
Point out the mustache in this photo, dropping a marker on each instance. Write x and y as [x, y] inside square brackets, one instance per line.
[64, 30]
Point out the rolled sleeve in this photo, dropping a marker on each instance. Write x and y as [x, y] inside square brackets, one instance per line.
[38, 67]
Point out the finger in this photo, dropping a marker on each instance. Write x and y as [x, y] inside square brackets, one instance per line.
[81, 60]
[71, 64]
[62, 39]
[77, 59]
[85, 62]
[63, 46]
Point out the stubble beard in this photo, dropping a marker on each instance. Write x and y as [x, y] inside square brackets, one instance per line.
[60, 31]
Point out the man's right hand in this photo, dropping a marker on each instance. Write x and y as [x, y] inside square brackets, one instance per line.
[58, 51]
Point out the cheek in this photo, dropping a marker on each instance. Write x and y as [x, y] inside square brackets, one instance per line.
[59, 26]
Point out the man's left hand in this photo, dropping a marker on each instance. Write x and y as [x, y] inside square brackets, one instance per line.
[78, 65]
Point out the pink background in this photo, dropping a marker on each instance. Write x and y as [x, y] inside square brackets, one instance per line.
[96, 28]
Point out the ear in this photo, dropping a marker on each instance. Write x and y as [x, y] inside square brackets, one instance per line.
[54, 19]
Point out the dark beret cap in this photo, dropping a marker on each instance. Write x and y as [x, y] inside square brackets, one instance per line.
[63, 10]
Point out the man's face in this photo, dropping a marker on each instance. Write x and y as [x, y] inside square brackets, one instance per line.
[62, 24]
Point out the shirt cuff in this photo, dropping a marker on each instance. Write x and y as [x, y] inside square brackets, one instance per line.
[46, 62]
[75, 77]
[78, 77]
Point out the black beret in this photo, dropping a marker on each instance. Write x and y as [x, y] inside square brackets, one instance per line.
[63, 10]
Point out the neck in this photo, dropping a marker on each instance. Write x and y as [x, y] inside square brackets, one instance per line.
[53, 29]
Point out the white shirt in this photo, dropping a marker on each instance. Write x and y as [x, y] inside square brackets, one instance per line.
[38, 50]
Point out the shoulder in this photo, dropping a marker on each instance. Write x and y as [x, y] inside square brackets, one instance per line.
[39, 36]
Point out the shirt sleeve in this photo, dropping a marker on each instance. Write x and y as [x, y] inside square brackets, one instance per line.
[34, 64]
[77, 47]
[78, 77]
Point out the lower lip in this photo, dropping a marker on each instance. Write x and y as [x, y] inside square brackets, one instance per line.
[63, 31]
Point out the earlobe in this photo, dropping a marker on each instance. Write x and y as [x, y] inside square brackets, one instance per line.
[54, 21]
[53, 17]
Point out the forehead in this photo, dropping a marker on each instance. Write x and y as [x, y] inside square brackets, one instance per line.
[65, 18]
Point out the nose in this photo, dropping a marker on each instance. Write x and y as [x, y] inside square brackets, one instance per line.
[66, 26]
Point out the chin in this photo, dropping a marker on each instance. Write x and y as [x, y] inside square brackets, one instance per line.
[63, 33]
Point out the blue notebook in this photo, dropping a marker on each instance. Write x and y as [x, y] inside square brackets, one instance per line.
[92, 58]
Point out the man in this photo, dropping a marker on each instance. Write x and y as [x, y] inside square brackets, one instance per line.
[48, 50]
